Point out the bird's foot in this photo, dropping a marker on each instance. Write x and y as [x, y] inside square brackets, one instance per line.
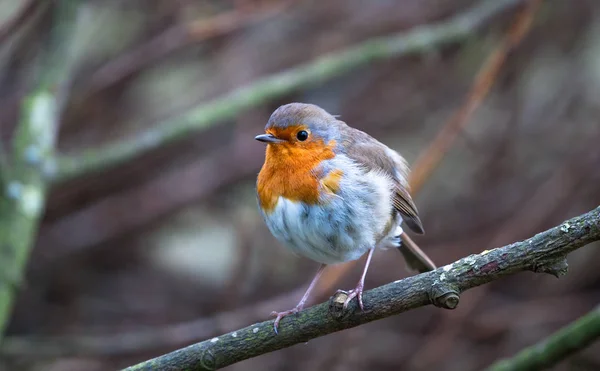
[280, 315]
[354, 293]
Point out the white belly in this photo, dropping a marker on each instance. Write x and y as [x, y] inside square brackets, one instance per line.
[344, 227]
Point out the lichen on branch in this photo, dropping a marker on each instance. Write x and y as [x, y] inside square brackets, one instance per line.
[23, 193]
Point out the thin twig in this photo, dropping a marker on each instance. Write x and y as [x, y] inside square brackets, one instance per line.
[565, 342]
[324, 68]
[545, 252]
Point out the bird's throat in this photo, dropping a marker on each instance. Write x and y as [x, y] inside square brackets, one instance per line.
[292, 172]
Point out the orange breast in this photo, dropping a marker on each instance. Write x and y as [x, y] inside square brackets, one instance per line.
[290, 171]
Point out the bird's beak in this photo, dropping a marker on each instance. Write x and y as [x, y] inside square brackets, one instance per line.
[268, 138]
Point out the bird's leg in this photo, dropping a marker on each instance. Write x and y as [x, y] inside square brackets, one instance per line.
[357, 292]
[302, 301]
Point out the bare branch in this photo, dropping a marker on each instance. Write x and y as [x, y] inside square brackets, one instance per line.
[545, 252]
[27, 10]
[23, 197]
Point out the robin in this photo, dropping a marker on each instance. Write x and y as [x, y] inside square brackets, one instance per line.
[333, 193]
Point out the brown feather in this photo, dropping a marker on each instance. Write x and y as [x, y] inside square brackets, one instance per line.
[404, 204]
[416, 259]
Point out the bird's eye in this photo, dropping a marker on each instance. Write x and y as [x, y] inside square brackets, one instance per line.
[302, 135]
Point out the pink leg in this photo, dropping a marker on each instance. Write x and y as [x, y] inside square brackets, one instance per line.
[300, 304]
[357, 292]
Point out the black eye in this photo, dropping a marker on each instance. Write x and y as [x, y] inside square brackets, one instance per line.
[302, 135]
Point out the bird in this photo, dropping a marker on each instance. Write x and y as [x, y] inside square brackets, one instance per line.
[333, 193]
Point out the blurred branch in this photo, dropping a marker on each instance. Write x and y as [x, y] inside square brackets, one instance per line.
[234, 161]
[487, 75]
[565, 342]
[545, 253]
[430, 158]
[548, 199]
[324, 68]
[23, 198]
[4, 166]
[23, 14]
[178, 37]
[142, 340]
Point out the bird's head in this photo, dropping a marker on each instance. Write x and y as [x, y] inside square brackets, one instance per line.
[299, 129]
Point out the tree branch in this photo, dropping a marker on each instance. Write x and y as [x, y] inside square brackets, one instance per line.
[565, 342]
[546, 252]
[417, 40]
[23, 197]
[27, 10]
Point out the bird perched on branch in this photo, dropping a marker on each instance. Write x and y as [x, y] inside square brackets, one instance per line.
[333, 193]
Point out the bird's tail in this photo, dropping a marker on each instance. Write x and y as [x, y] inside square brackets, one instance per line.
[415, 258]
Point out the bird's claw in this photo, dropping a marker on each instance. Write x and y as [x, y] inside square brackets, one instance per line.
[280, 315]
[354, 293]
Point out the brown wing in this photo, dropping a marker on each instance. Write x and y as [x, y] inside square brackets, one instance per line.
[406, 207]
[367, 151]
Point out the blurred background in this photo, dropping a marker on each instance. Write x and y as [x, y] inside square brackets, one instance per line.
[149, 253]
